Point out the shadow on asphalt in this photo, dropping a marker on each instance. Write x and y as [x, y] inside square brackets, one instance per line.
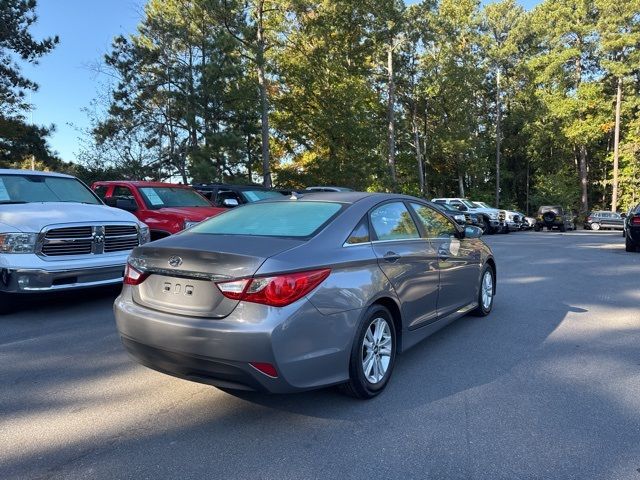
[469, 353]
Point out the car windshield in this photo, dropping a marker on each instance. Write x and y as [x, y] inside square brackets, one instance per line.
[482, 204]
[163, 197]
[273, 219]
[26, 188]
[257, 195]
[467, 203]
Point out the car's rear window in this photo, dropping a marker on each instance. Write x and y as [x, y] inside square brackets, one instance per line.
[272, 219]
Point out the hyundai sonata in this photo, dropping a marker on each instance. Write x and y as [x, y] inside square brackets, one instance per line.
[304, 292]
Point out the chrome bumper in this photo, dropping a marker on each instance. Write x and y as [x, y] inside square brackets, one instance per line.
[39, 280]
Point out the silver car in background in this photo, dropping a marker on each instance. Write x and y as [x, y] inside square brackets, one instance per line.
[301, 293]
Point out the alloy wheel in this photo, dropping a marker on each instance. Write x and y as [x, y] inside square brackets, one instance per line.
[376, 350]
[487, 289]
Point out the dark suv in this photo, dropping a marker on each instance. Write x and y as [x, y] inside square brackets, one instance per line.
[554, 217]
[632, 230]
[227, 196]
[604, 220]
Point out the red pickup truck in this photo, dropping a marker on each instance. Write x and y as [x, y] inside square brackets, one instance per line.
[166, 208]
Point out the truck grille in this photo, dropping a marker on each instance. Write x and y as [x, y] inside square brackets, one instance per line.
[502, 215]
[88, 239]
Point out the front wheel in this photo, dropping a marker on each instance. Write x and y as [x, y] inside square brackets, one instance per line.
[486, 292]
[595, 226]
[372, 355]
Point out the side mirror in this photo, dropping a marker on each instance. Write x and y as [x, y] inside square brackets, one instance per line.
[127, 204]
[472, 232]
[230, 202]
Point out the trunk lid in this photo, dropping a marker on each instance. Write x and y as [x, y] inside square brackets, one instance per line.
[183, 268]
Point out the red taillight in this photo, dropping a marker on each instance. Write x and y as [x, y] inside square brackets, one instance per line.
[133, 276]
[635, 221]
[265, 368]
[276, 291]
[589, 219]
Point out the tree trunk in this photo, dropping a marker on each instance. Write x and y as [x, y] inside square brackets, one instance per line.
[528, 180]
[391, 119]
[616, 144]
[498, 138]
[416, 140]
[460, 184]
[264, 102]
[584, 181]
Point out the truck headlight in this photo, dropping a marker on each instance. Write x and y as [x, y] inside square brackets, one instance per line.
[18, 242]
[145, 235]
[459, 218]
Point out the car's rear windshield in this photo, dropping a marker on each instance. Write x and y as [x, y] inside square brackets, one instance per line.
[550, 209]
[164, 197]
[272, 219]
[41, 188]
[257, 195]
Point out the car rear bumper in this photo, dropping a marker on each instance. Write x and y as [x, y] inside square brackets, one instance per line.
[308, 349]
[634, 234]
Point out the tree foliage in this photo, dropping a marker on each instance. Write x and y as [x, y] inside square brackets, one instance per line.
[432, 98]
[18, 139]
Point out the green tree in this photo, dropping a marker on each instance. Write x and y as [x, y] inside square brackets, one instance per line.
[18, 139]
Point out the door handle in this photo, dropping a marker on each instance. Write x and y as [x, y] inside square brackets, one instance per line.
[391, 257]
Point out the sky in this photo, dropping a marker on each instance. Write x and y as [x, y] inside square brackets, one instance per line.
[67, 75]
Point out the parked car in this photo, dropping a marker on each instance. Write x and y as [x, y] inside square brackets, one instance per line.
[492, 218]
[632, 230]
[529, 223]
[513, 220]
[223, 195]
[56, 234]
[326, 292]
[166, 208]
[554, 217]
[604, 220]
[624, 223]
[327, 188]
[462, 218]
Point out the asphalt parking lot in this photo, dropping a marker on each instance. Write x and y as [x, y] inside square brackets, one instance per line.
[547, 386]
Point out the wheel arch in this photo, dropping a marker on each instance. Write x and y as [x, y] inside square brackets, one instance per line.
[396, 315]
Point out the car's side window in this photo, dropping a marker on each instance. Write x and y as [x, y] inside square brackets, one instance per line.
[392, 221]
[123, 192]
[225, 195]
[360, 234]
[101, 191]
[435, 224]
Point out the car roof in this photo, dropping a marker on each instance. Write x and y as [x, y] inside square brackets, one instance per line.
[142, 183]
[229, 185]
[345, 197]
[15, 171]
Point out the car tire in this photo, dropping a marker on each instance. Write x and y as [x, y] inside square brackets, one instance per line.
[485, 298]
[630, 245]
[563, 228]
[536, 228]
[360, 385]
[595, 226]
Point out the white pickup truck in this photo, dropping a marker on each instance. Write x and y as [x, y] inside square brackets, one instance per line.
[56, 234]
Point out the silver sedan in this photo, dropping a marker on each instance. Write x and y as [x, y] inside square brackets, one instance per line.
[303, 292]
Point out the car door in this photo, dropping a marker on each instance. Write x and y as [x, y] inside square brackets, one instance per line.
[408, 260]
[616, 220]
[458, 260]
